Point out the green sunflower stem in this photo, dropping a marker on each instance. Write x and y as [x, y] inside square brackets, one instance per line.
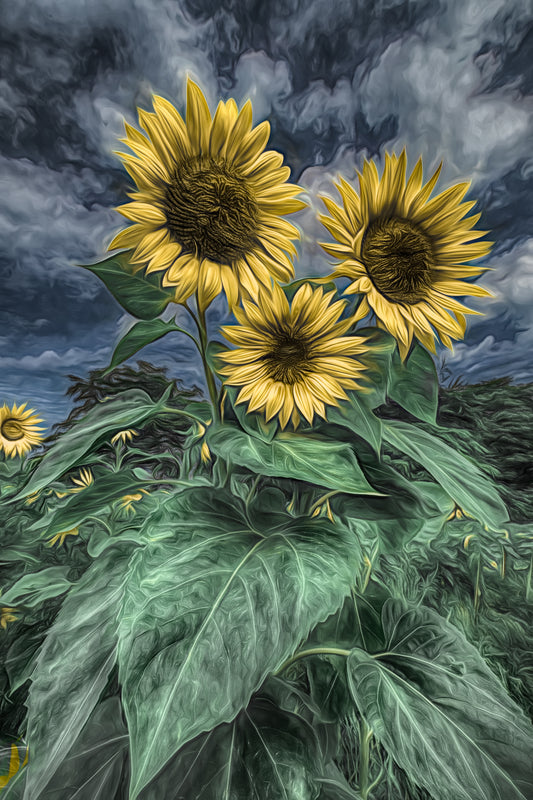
[210, 378]
[313, 651]
[200, 322]
[365, 736]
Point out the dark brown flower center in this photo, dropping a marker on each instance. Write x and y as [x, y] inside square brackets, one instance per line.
[12, 430]
[399, 259]
[210, 210]
[288, 359]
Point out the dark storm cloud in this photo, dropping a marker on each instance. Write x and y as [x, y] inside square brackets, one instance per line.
[338, 81]
[507, 203]
[510, 63]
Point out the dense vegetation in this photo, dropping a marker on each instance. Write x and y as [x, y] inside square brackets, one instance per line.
[480, 581]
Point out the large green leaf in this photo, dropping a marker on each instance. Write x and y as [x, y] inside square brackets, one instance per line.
[125, 410]
[211, 610]
[414, 384]
[72, 668]
[142, 333]
[263, 754]
[139, 294]
[36, 587]
[460, 478]
[289, 455]
[440, 712]
[93, 768]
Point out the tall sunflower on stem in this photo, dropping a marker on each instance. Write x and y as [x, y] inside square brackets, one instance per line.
[292, 360]
[209, 202]
[406, 253]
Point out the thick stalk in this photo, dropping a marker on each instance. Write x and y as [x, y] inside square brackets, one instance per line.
[313, 651]
[209, 377]
[365, 735]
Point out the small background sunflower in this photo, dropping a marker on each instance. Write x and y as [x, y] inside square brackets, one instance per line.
[19, 430]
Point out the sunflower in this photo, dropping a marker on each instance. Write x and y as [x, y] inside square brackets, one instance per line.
[292, 360]
[405, 253]
[210, 200]
[19, 430]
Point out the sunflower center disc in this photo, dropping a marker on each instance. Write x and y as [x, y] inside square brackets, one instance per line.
[399, 259]
[287, 359]
[210, 211]
[12, 430]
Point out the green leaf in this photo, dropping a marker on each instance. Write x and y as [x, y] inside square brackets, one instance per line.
[357, 416]
[125, 410]
[432, 702]
[381, 346]
[72, 668]
[264, 754]
[36, 587]
[221, 600]
[414, 384]
[107, 488]
[139, 294]
[93, 769]
[288, 455]
[252, 422]
[460, 478]
[141, 334]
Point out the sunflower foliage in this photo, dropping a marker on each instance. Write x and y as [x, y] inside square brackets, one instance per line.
[282, 591]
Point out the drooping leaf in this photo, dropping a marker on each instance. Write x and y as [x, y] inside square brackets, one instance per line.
[93, 768]
[72, 669]
[460, 478]
[212, 609]
[139, 294]
[356, 415]
[125, 410]
[325, 463]
[140, 335]
[36, 587]
[107, 488]
[414, 384]
[263, 754]
[443, 715]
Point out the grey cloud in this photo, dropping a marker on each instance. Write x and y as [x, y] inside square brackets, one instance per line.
[448, 79]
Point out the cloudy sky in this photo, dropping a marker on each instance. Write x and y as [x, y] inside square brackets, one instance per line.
[450, 80]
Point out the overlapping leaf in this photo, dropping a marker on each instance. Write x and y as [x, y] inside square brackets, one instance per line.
[263, 754]
[211, 610]
[125, 410]
[435, 706]
[72, 669]
[414, 384]
[458, 476]
[320, 461]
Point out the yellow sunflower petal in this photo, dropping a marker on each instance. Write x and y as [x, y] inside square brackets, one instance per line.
[127, 238]
[198, 118]
[143, 212]
[209, 283]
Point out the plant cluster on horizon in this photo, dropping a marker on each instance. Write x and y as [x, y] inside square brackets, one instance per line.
[223, 629]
